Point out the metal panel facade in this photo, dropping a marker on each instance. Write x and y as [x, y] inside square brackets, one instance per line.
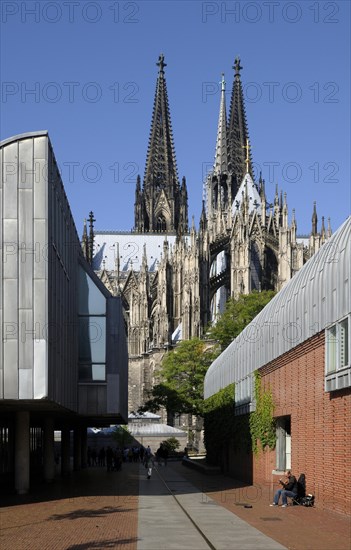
[21, 316]
[318, 295]
[40, 255]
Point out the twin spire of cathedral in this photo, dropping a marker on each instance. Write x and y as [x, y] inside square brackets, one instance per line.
[233, 156]
[161, 203]
[232, 147]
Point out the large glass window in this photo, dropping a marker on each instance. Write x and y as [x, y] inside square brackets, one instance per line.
[344, 343]
[283, 444]
[92, 372]
[337, 362]
[92, 330]
[331, 342]
[91, 299]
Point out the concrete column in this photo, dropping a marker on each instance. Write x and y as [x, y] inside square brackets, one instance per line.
[11, 447]
[77, 448]
[22, 456]
[84, 446]
[65, 451]
[49, 450]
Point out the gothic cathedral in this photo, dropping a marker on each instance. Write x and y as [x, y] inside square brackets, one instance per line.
[175, 280]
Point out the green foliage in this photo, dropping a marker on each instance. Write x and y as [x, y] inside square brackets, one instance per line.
[262, 424]
[171, 444]
[164, 396]
[182, 376]
[237, 315]
[122, 436]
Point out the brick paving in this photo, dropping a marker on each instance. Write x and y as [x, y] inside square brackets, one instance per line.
[95, 509]
[91, 509]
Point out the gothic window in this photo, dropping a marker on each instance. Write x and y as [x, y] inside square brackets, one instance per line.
[255, 267]
[270, 276]
[161, 224]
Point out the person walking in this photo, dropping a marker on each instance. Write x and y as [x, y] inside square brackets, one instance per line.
[149, 464]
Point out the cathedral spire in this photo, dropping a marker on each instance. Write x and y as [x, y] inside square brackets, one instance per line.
[314, 219]
[238, 134]
[85, 241]
[221, 156]
[159, 203]
[91, 237]
[161, 166]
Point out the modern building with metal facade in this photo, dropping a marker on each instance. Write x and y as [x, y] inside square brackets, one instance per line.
[316, 298]
[63, 353]
[300, 346]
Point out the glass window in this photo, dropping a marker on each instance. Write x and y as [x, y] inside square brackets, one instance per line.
[92, 372]
[92, 339]
[91, 299]
[337, 343]
[344, 341]
[331, 349]
[337, 356]
[92, 330]
[98, 372]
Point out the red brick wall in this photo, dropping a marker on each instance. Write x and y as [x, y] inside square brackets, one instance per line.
[320, 425]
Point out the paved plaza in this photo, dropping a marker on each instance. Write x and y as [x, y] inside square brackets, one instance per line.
[177, 508]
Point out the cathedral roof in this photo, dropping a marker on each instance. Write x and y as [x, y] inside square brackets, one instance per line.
[249, 189]
[130, 249]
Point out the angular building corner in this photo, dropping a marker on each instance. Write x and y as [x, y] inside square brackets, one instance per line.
[63, 348]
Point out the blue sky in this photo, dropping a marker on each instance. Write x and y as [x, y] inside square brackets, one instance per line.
[86, 72]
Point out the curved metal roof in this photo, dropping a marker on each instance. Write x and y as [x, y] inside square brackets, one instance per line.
[26, 135]
[317, 296]
[154, 429]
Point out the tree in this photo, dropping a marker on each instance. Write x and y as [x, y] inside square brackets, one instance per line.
[237, 315]
[171, 444]
[182, 376]
[122, 436]
[183, 369]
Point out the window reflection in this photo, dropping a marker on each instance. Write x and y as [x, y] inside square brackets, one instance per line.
[92, 330]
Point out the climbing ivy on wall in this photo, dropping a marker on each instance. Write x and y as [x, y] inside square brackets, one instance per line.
[222, 428]
[262, 423]
[218, 422]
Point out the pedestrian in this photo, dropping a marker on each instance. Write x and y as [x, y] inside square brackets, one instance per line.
[149, 464]
[165, 454]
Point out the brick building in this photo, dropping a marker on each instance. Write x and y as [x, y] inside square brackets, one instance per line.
[300, 345]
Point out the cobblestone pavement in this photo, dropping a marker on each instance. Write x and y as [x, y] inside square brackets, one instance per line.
[95, 509]
[91, 509]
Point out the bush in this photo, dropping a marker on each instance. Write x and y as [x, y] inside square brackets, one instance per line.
[171, 444]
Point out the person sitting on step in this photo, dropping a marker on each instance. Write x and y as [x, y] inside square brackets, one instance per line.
[289, 489]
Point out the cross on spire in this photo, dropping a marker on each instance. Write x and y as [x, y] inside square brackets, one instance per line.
[222, 82]
[237, 66]
[161, 62]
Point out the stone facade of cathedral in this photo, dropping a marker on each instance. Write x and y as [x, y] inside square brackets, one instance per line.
[175, 280]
